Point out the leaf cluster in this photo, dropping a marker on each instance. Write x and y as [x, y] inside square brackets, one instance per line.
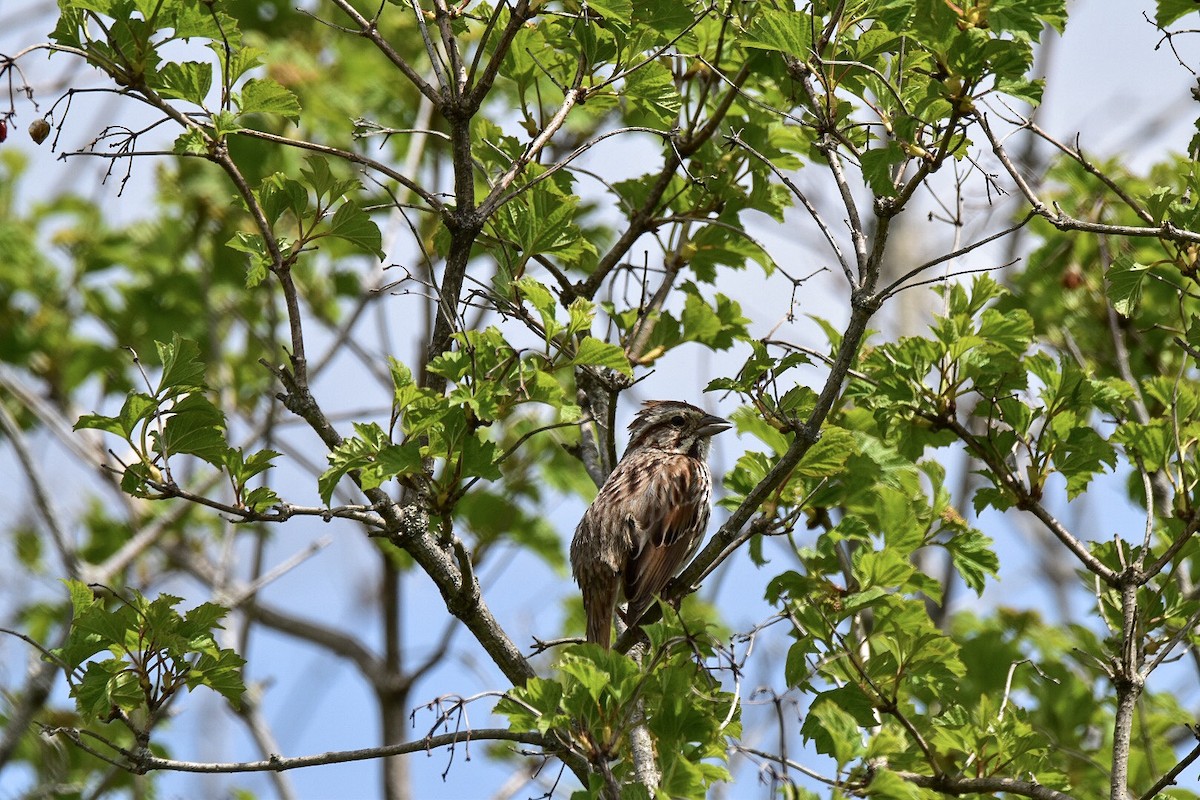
[154, 653]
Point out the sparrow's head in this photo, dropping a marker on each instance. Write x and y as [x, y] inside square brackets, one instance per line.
[676, 427]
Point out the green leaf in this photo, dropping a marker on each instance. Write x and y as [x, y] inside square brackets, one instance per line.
[541, 220]
[884, 568]
[795, 668]
[972, 555]
[354, 225]
[320, 178]
[221, 672]
[788, 32]
[225, 123]
[199, 623]
[190, 80]
[828, 455]
[182, 368]
[718, 245]
[716, 326]
[242, 468]
[138, 407]
[190, 142]
[353, 453]
[260, 499]
[104, 685]
[1029, 91]
[280, 193]
[193, 20]
[877, 167]
[614, 10]
[653, 99]
[581, 312]
[102, 423]
[1081, 455]
[194, 426]
[593, 352]
[479, 458]
[260, 260]
[1124, 284]
[390, 462]
[265, 96]
[1152, 443]
[240, 59]
[666, 18]
[833, 731]
[1169, 11]
[887, 785]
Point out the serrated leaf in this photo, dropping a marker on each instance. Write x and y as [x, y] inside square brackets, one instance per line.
[653, 99]
[666, 18]
[614, 10]
[1169, 11]
[318, 176]
[260, 499]
[877, 164]
[828, 455]
[1124, 284]
[279, 193]
[260, 259]
[194, 426]
[833, 731]
[582, 311]
[593, 352]
[240, 60]
[265, 96]
[796, 668]
[101, 423]
[201, 620]
[106, 684]
[182, 368]
[222, 673]
[354, 225]
[190, 142]
[137, 408]
[788, 32]
[353, 453]
[189, 80]
[887, 785]
[972, 555]
[400, 459]
[884, 568]
[225, 123]
[478, 457]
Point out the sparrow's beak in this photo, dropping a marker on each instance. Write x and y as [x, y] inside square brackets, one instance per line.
[710, 425]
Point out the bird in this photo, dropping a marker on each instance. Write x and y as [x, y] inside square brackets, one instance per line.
[649, 517]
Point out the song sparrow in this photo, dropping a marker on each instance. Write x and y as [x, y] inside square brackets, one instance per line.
[649, 516]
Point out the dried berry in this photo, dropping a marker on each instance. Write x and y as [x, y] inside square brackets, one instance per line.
[39, 129]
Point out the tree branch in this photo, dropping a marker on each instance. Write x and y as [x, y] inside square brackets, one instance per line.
[145, 762]
[368, 30]
[1065, 222]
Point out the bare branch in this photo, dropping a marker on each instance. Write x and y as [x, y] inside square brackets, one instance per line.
[898, 284]
[957, 786]
[368, 30]
[736, 139]
[145, 762]
[1169, 778]
[1064, 222]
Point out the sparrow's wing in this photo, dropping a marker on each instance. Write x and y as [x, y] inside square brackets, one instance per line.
[667, 522]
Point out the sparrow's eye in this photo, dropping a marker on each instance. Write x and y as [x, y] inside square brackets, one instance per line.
[677, 420]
